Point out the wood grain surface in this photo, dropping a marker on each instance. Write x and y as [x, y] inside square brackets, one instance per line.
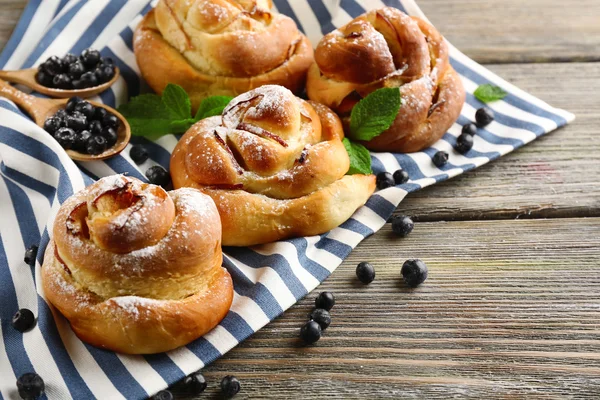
[511, 308]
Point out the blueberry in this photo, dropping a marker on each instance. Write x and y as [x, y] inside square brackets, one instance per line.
[86, 109]
[401, 177]
[464, 143]
[365, 272]
[30, 255]
[95, 145]
[469, 129]
[52, 124]
[90, 57]
[30, 386]
[100, 114]
[107, 61]
[44, 79]
[310, 332]
[414, 272]
[157, 175]
[88, 80]
[138, 154]
[484, 116]
[23, 320]
[76, 69]
[402, 225]
[384, 180]
[52, 66]
[69, 58]
[440, 159]
[61, 114]
[321, 317]
[61, 81]
[81, 140]
[104, 74]
[95, 127]
[230, 386]
[110, 120]
[65, 137]
[111, 136]
[163, 395]
[78, 84]
[195, 383]
[73, 101]
[325, 300]
[76, 121]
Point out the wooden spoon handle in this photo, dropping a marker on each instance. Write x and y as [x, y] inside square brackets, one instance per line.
[25, 76]
[36, 108]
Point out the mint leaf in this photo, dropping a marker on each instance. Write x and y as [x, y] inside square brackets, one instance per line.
[212, 106]
[488, 93]
[360, 158]
[375, 113]
[177, 101]
[147, 116]
[180, 126]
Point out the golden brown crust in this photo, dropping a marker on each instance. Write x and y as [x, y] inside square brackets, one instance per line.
[158, 287]
[220, 47]
[387, 48]
[274, 165]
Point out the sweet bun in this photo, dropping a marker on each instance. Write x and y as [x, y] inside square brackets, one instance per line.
[274, 164]
[136, 269]
[220, 47]
[387, 48]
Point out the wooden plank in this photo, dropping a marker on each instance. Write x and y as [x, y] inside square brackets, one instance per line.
[511, 309]
[556, 176]
[505, 31]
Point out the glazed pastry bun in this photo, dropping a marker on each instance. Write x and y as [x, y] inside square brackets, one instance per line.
[387, 48]
[274, 164]
[220, 47]
[136, 269]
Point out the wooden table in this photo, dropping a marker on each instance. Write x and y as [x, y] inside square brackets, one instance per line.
[511, 308]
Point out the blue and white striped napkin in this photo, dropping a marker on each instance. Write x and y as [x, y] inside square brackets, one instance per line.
[36, 176]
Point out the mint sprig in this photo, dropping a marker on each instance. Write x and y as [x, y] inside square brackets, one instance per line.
[488, 93]
[360, 158]
[153, 116]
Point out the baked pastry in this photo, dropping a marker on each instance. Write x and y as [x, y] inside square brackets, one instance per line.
[136, 269]
[220, 47]
[387, 48]
[275, 166]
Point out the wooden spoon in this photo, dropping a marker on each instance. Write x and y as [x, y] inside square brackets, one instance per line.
[40, 109]
[27, 77]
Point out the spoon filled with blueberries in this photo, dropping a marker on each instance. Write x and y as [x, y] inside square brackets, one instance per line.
[69, 76]
[85, 129]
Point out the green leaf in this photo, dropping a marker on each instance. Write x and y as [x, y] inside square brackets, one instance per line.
[375, 113]
[360, 158]
[145, 106]
[488, 93]
[177, 101]
[181, 126]
[212, 106]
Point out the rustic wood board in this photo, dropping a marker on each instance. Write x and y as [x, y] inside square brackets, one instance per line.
[511, 309]
[10, 12]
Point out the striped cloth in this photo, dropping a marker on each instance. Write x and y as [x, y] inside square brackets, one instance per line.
[36, 176]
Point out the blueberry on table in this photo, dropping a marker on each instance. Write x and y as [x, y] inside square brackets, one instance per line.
[65, 137]
[96, 145]
[90, 57]
[86, 109]
[30, 255]
[76, 121]
[402, 225]
[157, 175]
[365, 272]
[414, 272]
[30, 386]
[401, 177]
[310, 332]
[163, 395]
[111, 136]
[110, 120]
[484, 116]
[23, 320]
[52, 124]
[321, 317]
[230, 386]
[138, 154]
[81, 140]
[469, 129]
[325, 300]
[384, 180]
[464, 143]
[440, 159]
[195, 383]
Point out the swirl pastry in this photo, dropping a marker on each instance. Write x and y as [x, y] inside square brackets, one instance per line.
[136, 269]
[387, 48]
[275, 166]
[220, 47]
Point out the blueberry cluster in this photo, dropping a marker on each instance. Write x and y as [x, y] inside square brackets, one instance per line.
[195, 383]
[82, 127]
[320, 319]
[72, 72]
